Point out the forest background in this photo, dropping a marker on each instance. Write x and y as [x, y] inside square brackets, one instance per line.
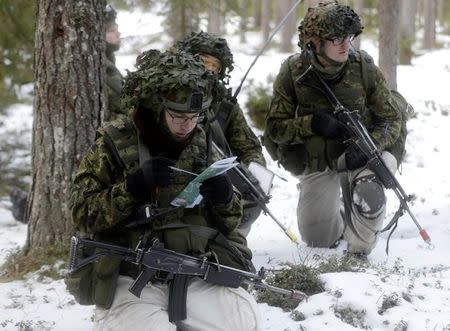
[43, 167]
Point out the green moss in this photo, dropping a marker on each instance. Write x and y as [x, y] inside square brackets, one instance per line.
[18, 263]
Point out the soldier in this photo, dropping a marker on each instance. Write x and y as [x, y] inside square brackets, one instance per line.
[127, 177]
[301, 123]
[225, 120]
[114, 79]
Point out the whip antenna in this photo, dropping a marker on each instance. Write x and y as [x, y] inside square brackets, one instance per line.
[265, 45]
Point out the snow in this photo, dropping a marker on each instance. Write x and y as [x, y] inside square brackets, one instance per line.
[413, 274]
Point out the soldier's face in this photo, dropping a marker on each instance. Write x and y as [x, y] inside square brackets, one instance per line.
[211, 63]
[181, 125]
[338, 51]
[113, 34]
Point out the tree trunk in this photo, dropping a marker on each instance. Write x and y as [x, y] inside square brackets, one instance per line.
[265, 19]
[429, 36]
[214, 17]
[288, 29]
[68, 99]
[243, 24]
[256, 5]
[389, 16]
[407, 30]
[359, 9]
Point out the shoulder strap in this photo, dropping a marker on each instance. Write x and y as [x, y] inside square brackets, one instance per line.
[113, 135]
[287, 80]
[367, 80]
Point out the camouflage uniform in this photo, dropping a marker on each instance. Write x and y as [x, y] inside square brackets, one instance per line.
[114, 79]
[226, 120]
[102, 205]
[297, 98]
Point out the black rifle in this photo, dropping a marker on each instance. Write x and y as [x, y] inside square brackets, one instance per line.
[176, 267]
[362, 140]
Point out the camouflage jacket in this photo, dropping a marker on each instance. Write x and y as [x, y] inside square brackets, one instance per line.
[239, 136]
[100, 202]
[293, 103]
[114, 83]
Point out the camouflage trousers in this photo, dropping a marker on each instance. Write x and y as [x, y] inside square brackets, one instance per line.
[330, 200]
[209, 307]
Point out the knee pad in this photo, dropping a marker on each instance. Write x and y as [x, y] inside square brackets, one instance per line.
[368, 196]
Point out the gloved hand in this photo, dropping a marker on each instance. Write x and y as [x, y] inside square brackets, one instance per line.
[154, 172]
[354, 159]
[326, 125]
[217, 189]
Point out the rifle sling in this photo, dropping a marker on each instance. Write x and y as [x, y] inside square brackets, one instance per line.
[177, 297]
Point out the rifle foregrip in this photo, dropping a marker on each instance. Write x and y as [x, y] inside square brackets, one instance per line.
[141, 280]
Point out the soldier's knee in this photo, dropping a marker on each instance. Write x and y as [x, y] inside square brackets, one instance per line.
[368, 196]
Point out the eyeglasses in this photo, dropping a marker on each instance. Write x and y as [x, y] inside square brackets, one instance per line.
[340, 40]
[183, 119]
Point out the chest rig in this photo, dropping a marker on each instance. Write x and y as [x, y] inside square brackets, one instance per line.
[309, 98]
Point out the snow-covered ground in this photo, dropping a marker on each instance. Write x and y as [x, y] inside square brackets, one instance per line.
[415, 276]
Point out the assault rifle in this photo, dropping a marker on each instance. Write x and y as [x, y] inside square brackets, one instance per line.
[176, 268]
[362, 140]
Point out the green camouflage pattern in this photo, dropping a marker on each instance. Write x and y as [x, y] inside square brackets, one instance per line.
[211, 44]
[114, 84]
[100, 200]
[286, 126]
[328, 20]
[102, 206]
[161, 74]
[239, 136]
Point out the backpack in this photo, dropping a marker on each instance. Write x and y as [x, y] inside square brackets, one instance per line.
[293, 158]
[403, 107]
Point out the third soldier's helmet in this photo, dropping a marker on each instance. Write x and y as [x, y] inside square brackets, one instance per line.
[327, 21]
[110, 14]
[208, 43]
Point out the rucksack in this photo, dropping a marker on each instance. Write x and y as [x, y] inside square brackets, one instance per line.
[403, 107]
[293, 158]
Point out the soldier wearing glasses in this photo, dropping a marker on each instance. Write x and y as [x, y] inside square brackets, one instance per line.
[302, 124]
[127, 176]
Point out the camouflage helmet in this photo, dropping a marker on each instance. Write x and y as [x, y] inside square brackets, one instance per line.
[327, 21]
[110, 14]
[176, 80]
[208, 43]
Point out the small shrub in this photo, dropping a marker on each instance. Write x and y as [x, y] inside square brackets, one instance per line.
[298, 277]
[347, 263]
[297, 316]
[401, 326]
[351, 316]
[258, 103]
[388, 302]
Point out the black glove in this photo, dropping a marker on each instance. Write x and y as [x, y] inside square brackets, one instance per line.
[154, 172]
[326, 125]
[354, 159]
[217, 189]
